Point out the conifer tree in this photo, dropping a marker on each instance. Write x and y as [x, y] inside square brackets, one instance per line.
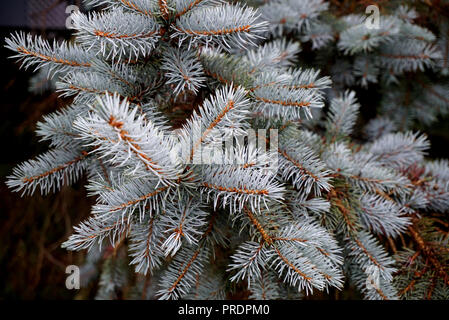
[403, 55]
[213, 168]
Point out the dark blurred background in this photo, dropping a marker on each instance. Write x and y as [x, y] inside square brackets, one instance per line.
[32, 264]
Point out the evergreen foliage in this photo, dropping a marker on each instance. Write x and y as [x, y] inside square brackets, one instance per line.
[202, 210]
